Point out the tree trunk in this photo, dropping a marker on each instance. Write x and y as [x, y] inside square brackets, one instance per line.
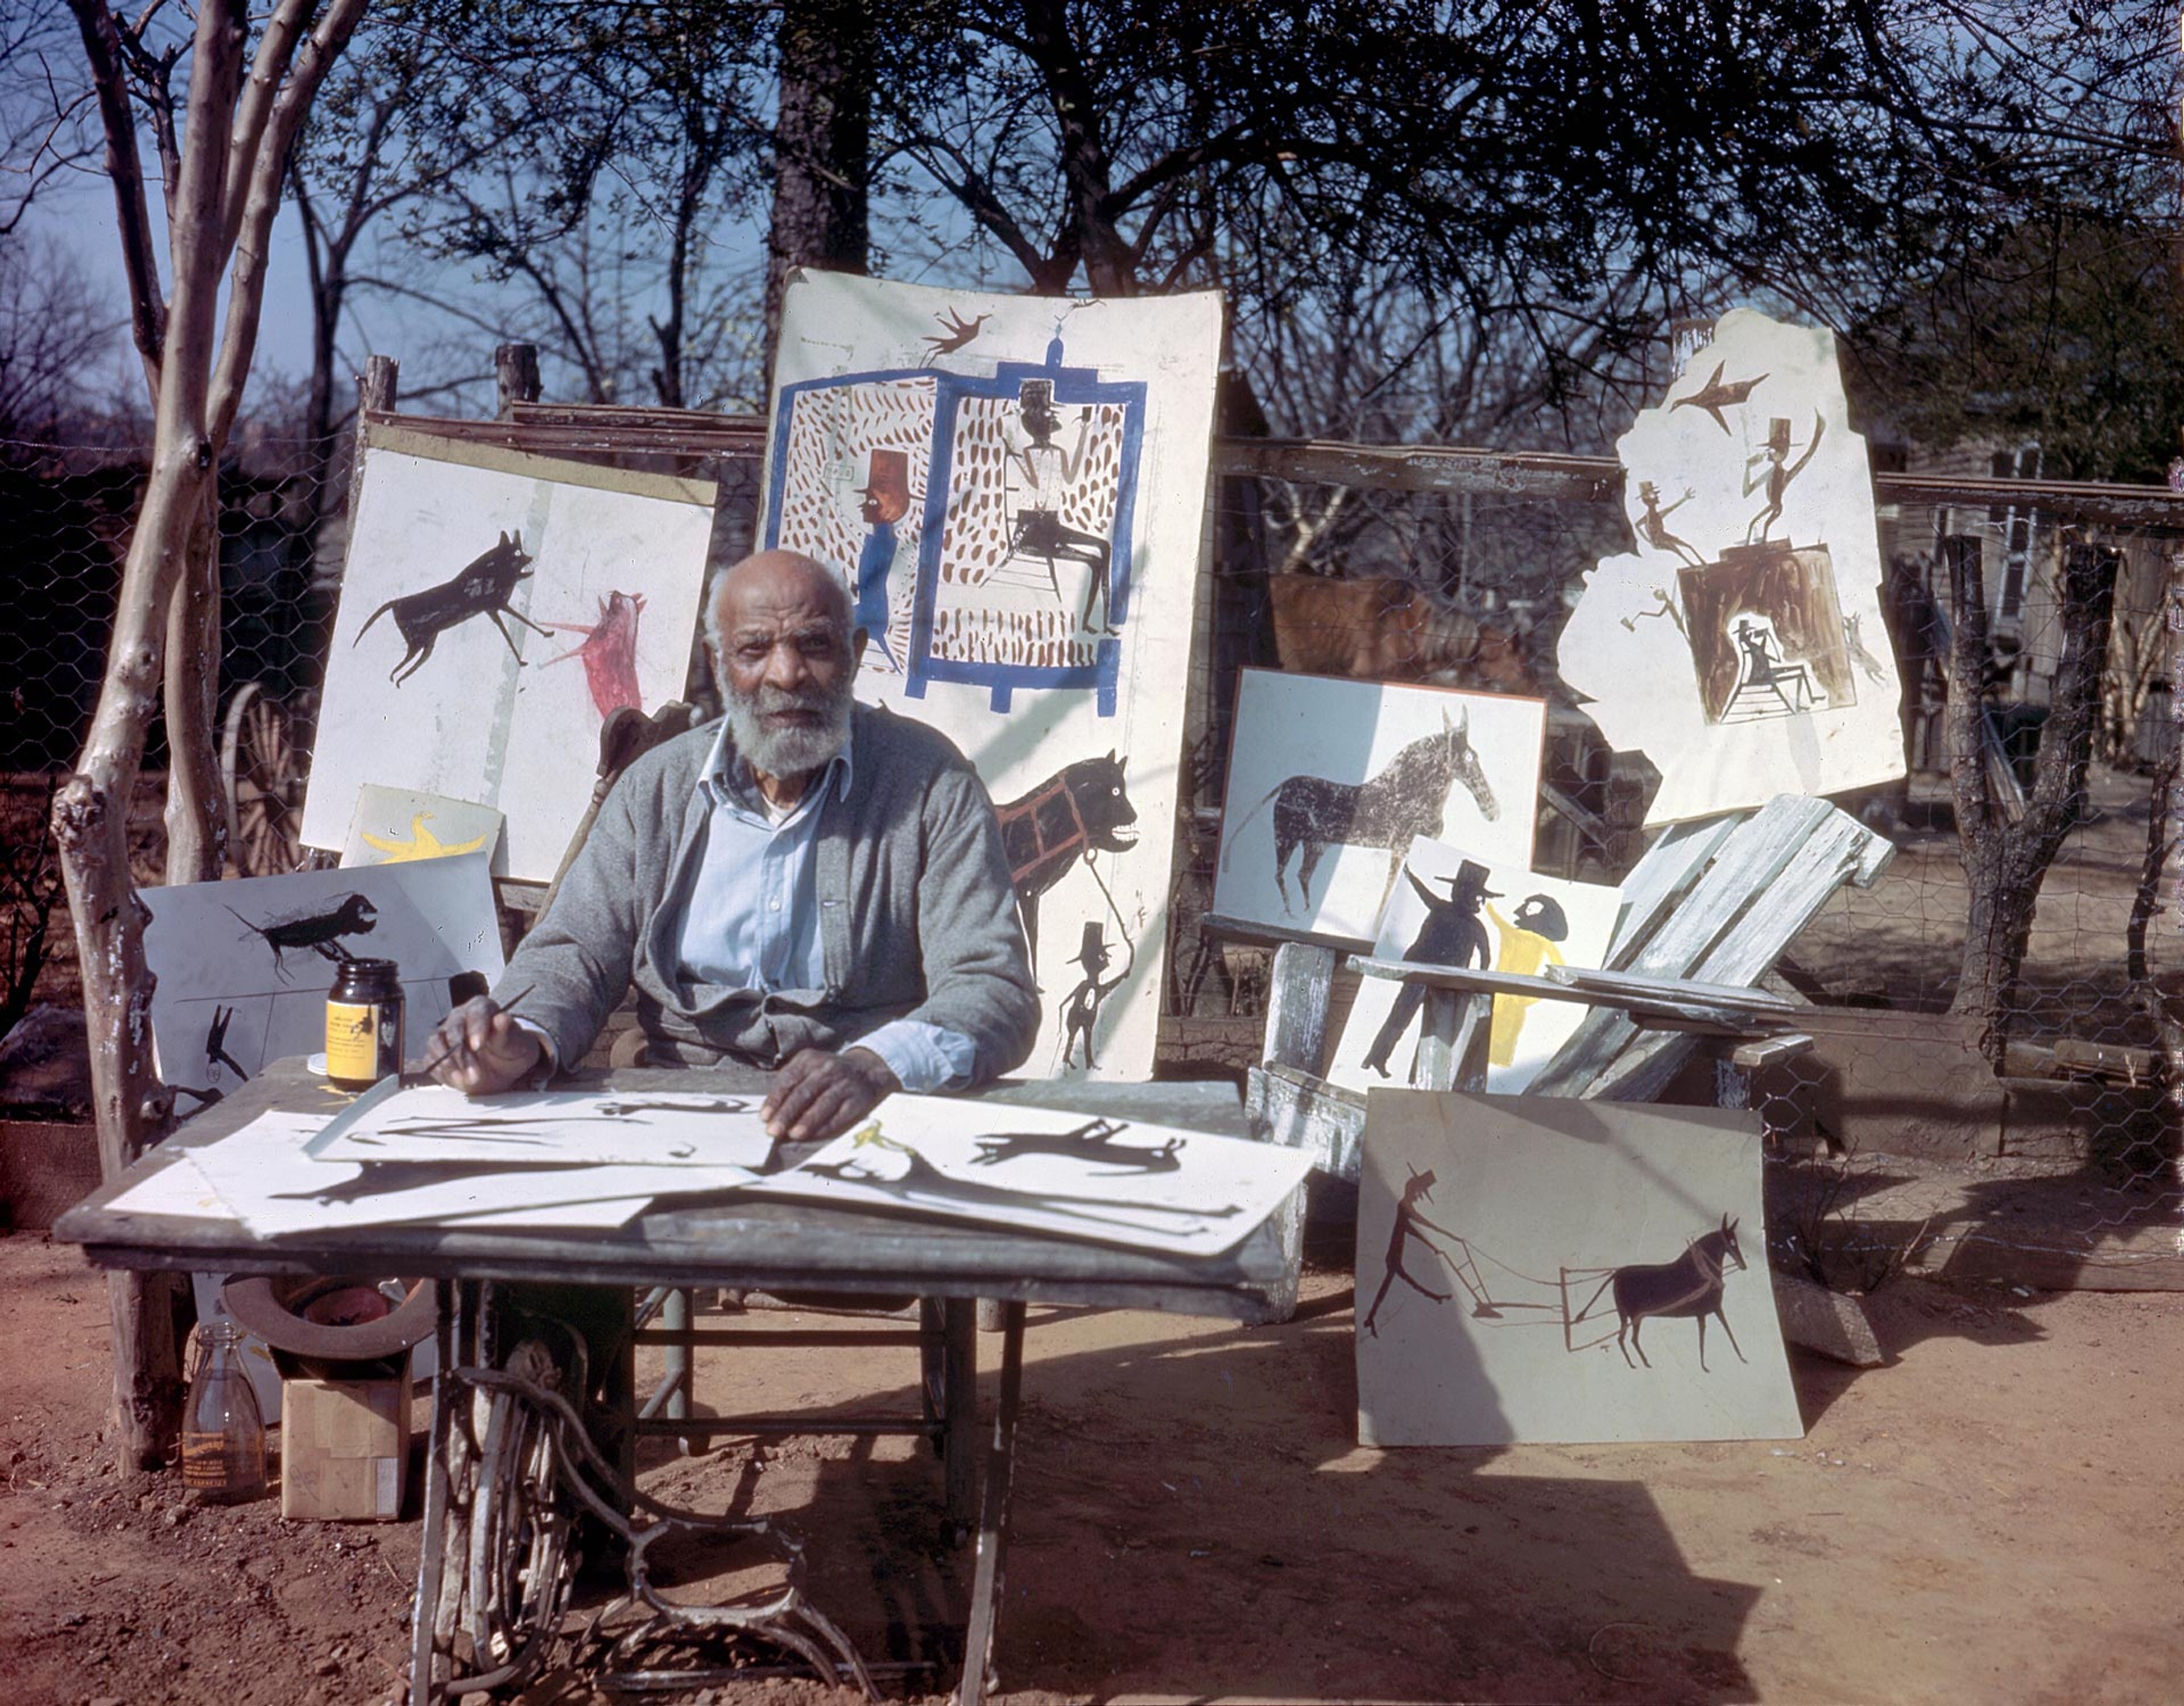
[822, 146]
[2005, 864]
[90, 817]
[197, 820]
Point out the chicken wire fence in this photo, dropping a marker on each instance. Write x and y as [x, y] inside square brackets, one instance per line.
[1494, 571]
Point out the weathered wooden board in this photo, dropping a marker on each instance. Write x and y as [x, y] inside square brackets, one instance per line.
[1766, 882]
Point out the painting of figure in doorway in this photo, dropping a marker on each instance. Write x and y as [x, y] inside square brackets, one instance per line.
[1767, 637]
[1738, 645]
[1012, 489]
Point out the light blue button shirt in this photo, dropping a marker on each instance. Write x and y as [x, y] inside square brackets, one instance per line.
[750, 912]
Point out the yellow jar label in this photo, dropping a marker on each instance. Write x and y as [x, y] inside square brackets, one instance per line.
[353, 1041]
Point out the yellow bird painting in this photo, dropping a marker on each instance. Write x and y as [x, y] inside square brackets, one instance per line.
[422, 844]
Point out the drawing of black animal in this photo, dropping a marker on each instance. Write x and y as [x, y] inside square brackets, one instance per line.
[1092, 1142]
[1389, 810]
[1691, 1285]
[482, 589]
[320, 931]
[1083, 807]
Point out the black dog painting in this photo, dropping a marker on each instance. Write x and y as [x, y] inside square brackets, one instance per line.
[482, 588]
[1041, 1170]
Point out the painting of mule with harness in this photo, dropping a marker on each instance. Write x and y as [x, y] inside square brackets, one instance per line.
[1474, 765]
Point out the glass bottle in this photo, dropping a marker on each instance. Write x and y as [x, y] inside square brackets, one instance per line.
[223, 1433]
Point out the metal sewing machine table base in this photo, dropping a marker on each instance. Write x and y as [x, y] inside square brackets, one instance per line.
[493, 1432]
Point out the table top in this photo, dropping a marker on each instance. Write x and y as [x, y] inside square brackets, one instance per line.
[719, 1240]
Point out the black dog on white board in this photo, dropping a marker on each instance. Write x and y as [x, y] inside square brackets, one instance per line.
[482, 589]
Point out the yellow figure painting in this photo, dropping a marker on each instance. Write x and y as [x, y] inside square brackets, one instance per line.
[1527, 947]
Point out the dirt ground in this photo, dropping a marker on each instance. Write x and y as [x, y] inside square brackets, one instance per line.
[1992, 1516]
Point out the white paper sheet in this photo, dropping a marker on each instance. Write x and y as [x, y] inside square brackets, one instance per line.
[549, 1128]
[1741, 645]
[275, 1189]
[181, 1190]
[1152, 1187]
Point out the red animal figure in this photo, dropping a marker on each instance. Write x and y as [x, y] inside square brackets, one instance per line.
[1384, 629]
[609, 653]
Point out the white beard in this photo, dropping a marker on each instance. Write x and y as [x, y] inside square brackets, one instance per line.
[791, 751]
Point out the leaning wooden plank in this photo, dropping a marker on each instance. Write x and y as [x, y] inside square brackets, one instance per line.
[1745, 880]
[1730, 997]
[1826, 1321]
[1840, 850]
[1303, 977]
[1663, 876]
[1297, 1109]
[1453, 1040]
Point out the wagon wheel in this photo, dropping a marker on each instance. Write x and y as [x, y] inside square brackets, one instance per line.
[260, 770]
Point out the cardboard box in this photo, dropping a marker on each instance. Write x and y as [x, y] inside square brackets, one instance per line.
[344, 1449]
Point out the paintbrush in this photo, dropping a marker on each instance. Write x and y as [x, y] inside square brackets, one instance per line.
[424, 1074]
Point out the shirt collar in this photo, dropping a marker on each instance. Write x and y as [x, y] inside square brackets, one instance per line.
[727, 779]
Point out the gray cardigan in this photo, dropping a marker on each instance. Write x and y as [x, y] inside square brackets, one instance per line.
[917, 917]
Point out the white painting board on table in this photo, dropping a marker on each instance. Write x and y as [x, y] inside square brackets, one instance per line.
[181, 1190]
[1741, 645]
[496, 608]
[654, 1128]
[1534, 1268]
[1012, 489]
[1331, 781]
[242, 968]
[393, 826]
[1152, 1187]
[1524, 923]
[275, 1188]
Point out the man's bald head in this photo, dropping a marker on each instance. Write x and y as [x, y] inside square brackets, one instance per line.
[773, 580]
[786, 657]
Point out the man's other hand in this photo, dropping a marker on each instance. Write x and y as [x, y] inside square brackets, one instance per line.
[479, 1050]
[818, 1095]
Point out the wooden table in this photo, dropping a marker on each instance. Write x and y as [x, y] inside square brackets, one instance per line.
[722, 1241]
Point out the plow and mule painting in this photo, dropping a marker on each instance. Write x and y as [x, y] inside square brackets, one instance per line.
[1742, 646]
[1540, 1270]
[1013, 490]
[1331, 782]
[496, 609]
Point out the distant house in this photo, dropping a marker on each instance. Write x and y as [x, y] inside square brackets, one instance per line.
[2021, 554]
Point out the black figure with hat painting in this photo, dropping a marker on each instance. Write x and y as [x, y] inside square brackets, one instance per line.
[886, 495]
[1451, 935]
[1080, 1008]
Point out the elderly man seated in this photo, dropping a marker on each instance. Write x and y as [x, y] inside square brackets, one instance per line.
[815, 888]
